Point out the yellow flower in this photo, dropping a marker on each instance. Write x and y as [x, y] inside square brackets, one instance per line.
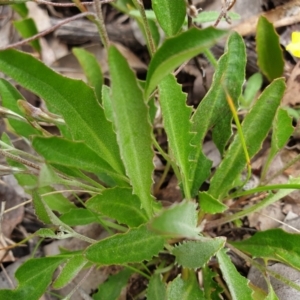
[294, 46]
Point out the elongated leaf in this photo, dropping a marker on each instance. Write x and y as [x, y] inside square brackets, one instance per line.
[119, 204]
[39, 208]
[274, 244]
[261, 115]
[156, 288]
[269, 52]
[134, 246]
[237, 284]
[111, 289]
[70, 270]
[194, 254]
[72, 99]
[106, 102]
[91, 69]
[210, 205]
[48, 177]
[131, 119]
[46, 233]
[20, 8]
[212, 16]
[73, 154]
[78, 216]
[180, 220]
[177, 50]
[27, 28]
[34, 276]
[180, 289]
[9, 97]
[170, 14]
[282, 130]
[214, 112]
[176, 115]
[253, 85]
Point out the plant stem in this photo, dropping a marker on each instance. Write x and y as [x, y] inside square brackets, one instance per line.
[138, 271]
[240, 132]
[139, 5]
[211, 58]
[99, 21]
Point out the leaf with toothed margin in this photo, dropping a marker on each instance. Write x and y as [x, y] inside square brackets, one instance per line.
[134, 246]
[176, 50]
[176, 115]
[237, 284]
[194, 254]
[119, 204]
[72, 99]
[131, 120]
[180, 220]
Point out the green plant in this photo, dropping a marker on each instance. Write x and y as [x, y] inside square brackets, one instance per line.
[108, 131]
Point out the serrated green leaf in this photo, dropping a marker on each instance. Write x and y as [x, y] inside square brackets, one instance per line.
[177, 50]
[156, 288]
[194, 254]
[78, 216]
[119, 204]
[180, 289]
[214, 112]
[269, 52]
[237, 284]
[111, 289]
[34, 276]
[75, 155]
[210, 205]
[261, 115]
[176, 115]
[72, 99]
[27, 28]
[69, 271]
[170, 14]
[180, 220]
[92, 70]
[9, 97]
[39, 208]
[134, 246]
[274, 244]
[131, 119]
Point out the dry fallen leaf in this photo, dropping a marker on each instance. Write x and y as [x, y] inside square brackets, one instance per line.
[283, 15]
[292, 92]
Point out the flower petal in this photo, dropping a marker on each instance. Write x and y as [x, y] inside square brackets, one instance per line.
[294, 48]
[295, 37]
